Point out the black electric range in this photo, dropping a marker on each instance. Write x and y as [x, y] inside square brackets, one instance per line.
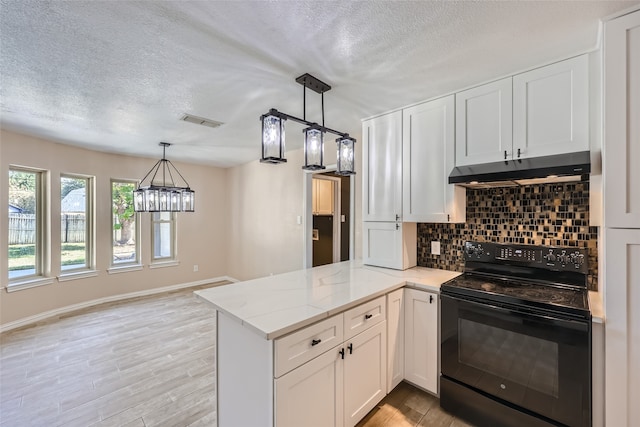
[516, 337]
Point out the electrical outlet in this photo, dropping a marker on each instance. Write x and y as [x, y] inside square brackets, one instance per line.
[195, 267]
[435, 248]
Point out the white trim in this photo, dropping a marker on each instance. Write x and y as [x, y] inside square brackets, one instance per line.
[125, 268]
[63, 310]
[26, 284]
[77, 275]
[163, 264]
[307, 215]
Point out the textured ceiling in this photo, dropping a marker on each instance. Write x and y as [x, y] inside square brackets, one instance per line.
[117, 75]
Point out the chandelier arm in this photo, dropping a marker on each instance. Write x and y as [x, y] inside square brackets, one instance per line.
[308, 123]
[153, 178]
[178, 172]
[155, 167]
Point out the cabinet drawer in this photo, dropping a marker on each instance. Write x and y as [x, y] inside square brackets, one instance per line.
[293, 350]
[364, 316]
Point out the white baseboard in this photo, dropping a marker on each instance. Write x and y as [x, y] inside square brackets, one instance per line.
[63, 310]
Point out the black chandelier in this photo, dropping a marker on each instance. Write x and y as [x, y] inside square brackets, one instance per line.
[273, 135]
[163, 195]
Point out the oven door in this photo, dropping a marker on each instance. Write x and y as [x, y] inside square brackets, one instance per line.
[537, 362]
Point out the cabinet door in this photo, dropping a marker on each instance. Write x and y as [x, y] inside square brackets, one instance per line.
[382, 168]
[551, 109]
[311, 395]
[365, 372]
[622, 327]
[621, 155]
[484, 124]
[389, 244]
[324, 197]
[428, 152]
[421, 339]
[395, 338]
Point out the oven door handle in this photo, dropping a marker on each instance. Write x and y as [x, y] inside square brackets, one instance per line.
[492, 305]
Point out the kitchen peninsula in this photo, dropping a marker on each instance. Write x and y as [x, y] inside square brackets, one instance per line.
[319, 343]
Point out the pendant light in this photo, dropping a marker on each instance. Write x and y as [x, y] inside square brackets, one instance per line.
[162, 194]
[346, 156]
[273, 135]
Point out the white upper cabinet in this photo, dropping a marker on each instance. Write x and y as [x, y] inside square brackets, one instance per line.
[389, 244]
[428, 152]
[382, 168]
[551, 109]
[621, 154]
[322, 197]
[538, 113]
[483, 123]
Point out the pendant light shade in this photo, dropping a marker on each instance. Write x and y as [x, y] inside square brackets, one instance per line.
[346, 156]
[273, 139]
[313, 148]
[162, 194]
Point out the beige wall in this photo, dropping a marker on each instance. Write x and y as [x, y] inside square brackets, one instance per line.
[245, 223]
[265, 201]
[202, 235]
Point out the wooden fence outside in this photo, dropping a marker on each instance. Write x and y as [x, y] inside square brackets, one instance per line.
[22, 228]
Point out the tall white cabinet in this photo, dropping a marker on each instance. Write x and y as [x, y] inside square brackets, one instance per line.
[621, 176]
[428, 151]
[386, 240]
[382, 168]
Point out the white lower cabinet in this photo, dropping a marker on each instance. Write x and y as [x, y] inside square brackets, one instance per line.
[365, 373]
[312, 395]
[395, 338]
[421, 339]
[340, 386]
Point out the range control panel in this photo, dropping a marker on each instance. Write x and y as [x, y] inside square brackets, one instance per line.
[549, 257]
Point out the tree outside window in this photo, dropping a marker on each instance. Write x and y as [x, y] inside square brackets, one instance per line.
[125, 229]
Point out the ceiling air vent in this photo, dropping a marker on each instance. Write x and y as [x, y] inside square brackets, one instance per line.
[200, 121]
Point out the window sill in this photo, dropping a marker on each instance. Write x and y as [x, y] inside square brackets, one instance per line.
[124, 268]
[163, 264]
[29, 283]
[77, 275]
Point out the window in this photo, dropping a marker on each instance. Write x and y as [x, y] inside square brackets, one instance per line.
[27, 226]
[163, 236]
[76, 223]
[124, 248]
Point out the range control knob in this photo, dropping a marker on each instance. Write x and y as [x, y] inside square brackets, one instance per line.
[470, 250]
[551, 257]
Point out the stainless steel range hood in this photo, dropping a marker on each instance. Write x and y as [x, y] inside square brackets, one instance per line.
[558, 168]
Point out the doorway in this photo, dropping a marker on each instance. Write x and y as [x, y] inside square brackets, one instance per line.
[328, 218]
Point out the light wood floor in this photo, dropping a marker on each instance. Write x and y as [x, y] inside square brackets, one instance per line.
[140, 363]
[408, 406]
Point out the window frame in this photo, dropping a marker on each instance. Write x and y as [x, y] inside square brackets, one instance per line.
[42, 264]
[136, 263]
[89, 250]
[172, 259]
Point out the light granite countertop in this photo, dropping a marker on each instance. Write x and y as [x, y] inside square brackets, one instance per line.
[276, 305]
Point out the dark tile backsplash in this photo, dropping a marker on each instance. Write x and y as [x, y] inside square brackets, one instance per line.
[541, 214]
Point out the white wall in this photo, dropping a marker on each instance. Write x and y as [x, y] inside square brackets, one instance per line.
[202, 235]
